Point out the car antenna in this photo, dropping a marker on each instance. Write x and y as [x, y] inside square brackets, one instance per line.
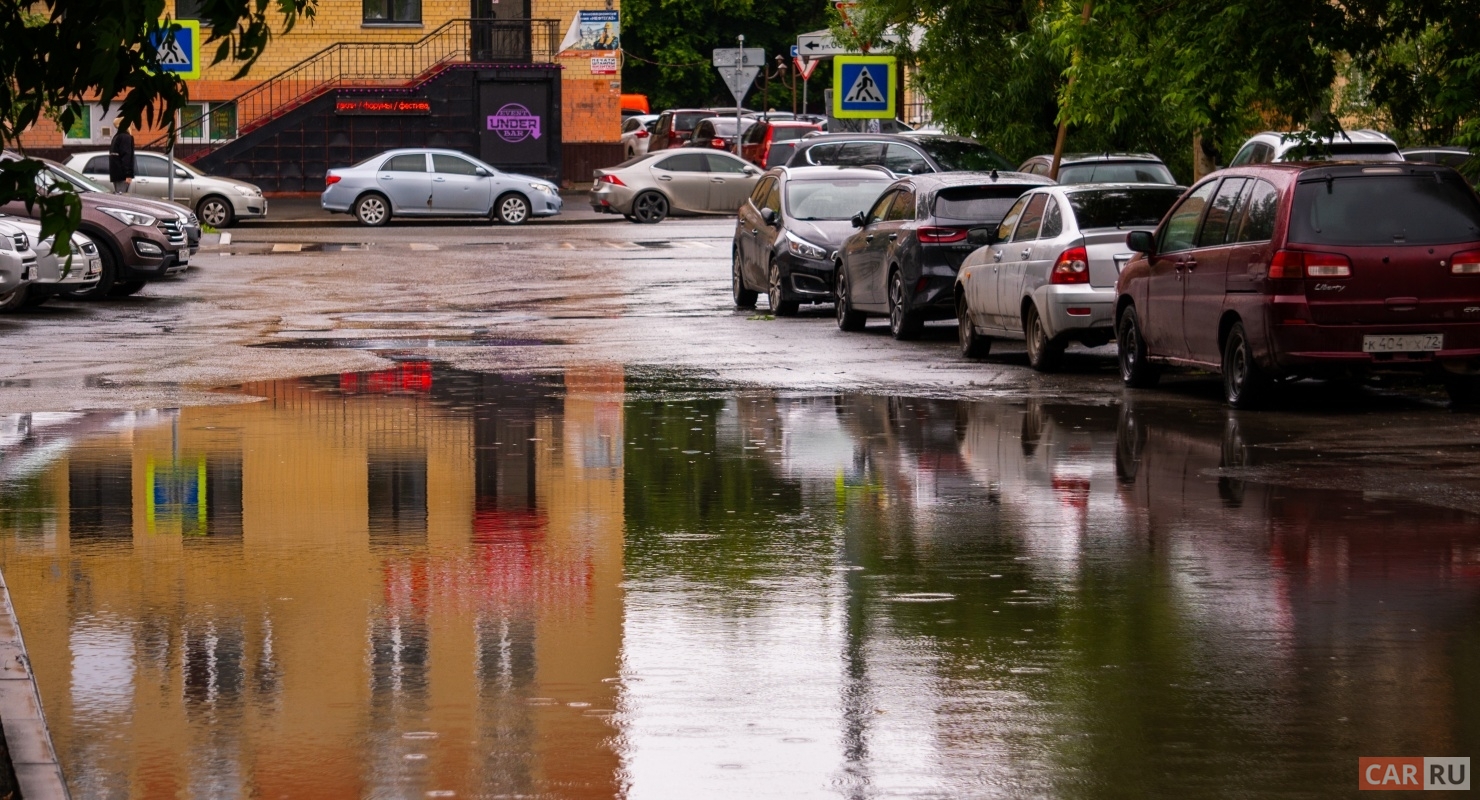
[994, 174]
[1329, 180]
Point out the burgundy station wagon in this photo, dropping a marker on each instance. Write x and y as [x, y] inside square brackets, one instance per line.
[1273, 271]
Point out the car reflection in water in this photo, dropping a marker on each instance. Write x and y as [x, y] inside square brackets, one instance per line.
[589, 583]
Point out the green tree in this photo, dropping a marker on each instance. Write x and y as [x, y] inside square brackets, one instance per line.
[668, 44]
[100, 48]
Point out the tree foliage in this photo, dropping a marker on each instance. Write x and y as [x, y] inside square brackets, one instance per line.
[1152, 74]
[680, 34]
[56, 53]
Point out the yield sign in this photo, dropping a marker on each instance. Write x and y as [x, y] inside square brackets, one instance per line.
[738, 67]
[805, 66]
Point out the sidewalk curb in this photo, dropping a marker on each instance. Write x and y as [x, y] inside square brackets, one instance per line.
[28, 752]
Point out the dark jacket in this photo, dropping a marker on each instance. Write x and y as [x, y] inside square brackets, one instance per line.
[121, 157]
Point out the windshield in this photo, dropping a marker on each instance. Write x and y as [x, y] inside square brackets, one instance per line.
[977, 204]
[1421, 209]
[1121, 208]
[68, 175]
[1116, 172]
[815, 201]
[962, 155]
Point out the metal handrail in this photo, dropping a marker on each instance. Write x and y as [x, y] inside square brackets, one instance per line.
[389, 64]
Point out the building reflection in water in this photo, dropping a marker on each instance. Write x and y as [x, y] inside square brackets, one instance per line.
[379, 584]
[424, 581]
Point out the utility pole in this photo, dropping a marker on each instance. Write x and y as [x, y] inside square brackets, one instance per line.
[1058, 144]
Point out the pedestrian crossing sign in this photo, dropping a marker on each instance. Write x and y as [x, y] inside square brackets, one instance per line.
[863, 87]
[179, 55]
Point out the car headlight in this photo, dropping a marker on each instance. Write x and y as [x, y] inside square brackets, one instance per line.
[130, 217]
[801, 247]
[542, 187]
[247, 191]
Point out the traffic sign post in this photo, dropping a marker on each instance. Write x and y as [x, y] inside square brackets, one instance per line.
[738, 67]
[863, 87]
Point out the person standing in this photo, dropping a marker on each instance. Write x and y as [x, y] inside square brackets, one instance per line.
[121, 158]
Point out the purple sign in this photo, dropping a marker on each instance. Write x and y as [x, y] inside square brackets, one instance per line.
[514, 123]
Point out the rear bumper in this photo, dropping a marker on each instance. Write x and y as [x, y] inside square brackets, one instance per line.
[1078, 307]
[607, 198]
[1339, 347]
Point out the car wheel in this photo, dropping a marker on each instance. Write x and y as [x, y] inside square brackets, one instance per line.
[744, 298]
[1135, 371]
[126, 288]
[779, 306]
[15, 300]
[1044, 353]
[216, 211]
[1245, 385]
[34, 299]
[373, 210]
[903, 324]
[512, 209]
[106, 276]
[848, 319]
[650, 208]
[973, 344]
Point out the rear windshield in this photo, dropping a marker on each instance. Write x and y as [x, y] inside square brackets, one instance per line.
[832, 199]
[780, 153]
[688, 121]
[1123, 172]
[977, 204]
[1344, 151]
[955, 155]
[1121, 208]
[1426, 208]
[787, 134]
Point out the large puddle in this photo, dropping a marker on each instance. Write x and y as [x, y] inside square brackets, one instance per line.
[429, 583]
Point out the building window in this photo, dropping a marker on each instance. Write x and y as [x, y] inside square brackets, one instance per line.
[392, 12]
[81, 130]
[208, 122]
[187, 9]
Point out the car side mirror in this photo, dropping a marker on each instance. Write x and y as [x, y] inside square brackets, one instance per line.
[981, 237]
[182, 175]
[858, 220]
[752, 170]
[1141, 242]
[768, 216]
[480, 172]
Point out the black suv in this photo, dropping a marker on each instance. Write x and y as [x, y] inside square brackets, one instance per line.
[919, 154]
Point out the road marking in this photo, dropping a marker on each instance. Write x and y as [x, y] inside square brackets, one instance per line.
[423, 246]
[287, 248]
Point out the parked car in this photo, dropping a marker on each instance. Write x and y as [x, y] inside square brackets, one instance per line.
[137, 240]
[1103, 168]
[164, 209]
[902, 261]
[1048, 273]
[17, 260]
[1455, 157]
[902, 155]
[1359, 145]
[790, 228]
[756, 145]
[435, 183]
[219, 202]
[648, 188]
[54, 274]
[637, 134]
[780, 153]
[1273, 271]
[675, 126]
[718, 132]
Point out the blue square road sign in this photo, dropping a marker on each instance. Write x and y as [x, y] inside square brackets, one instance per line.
[863, 87]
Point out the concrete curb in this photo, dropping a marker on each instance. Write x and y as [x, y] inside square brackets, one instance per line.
[28, 751]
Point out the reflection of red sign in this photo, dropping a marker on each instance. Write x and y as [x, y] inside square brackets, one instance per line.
[369, 106]
[410, 376]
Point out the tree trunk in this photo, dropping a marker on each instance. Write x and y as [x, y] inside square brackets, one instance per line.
[1202, 164]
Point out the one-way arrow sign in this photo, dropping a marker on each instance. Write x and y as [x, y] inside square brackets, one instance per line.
[822, 43]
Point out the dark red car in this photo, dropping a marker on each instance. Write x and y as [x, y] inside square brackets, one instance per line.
[756, 146]
[675, 127]
[1325, 270]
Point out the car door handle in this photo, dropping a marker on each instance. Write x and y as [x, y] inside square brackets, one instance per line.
[665, 177]
[387, 177]
[869, 238]
[754, 231]
[893, 236]
[1190, 264]
[996, 255]
[1027, 251]
[716, 180]
[440, 180]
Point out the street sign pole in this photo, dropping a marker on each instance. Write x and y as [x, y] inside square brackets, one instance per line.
[741, 45]
[738, 67]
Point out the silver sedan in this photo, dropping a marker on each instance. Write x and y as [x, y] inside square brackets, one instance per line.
[1047, 274]
[436, 183]
[681, 181]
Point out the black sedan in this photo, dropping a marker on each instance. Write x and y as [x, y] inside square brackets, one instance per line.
[788, 233]
[902, 261]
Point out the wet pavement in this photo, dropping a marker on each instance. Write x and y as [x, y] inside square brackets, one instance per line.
[467, 511]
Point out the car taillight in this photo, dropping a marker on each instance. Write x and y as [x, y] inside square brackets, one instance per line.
[717, 143]
[931, 235]
[1297, 264]
[1072, 266]
[612, 179]
[1466, 263]
[641, 134]
[330, 180]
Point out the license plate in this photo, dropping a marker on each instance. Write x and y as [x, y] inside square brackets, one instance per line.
[28, 274]
[1121, 259]
[1419, 343]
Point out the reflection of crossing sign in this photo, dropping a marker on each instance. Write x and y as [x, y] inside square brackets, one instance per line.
[863, 87]
[180, 55]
